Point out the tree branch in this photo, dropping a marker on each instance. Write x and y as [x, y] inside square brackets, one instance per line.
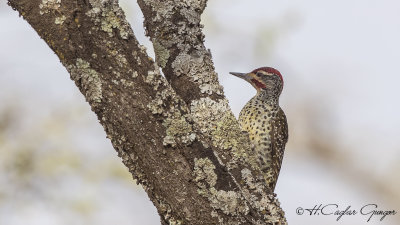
[178, 138]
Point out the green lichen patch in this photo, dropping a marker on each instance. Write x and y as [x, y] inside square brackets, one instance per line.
[87, 79]
[163, 9]
[189, 26]
[166, 212]
[200, 70]
[204, 173]
[250, 181]
[119, 58]
[47, 6]
[229, 202]
[109, 16]
[154, 78]
[178, 130]
[60, 20]
[172, 108]
[164, 96]
[224, 128]
[217, 121]
[271, 205]
[207, 113]
[266, 203]
[185, 36]
[162, 54]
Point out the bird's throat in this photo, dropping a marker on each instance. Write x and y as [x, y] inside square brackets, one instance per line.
[268, 96]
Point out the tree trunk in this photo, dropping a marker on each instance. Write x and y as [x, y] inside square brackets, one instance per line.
[176, 134]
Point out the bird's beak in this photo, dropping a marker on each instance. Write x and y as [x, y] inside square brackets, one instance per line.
[244, 76]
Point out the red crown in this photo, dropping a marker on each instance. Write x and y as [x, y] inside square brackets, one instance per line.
[269, 70]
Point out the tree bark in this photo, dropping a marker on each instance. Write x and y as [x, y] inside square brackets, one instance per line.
[176, 134]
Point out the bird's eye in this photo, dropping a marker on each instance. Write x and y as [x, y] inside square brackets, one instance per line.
[259, 74]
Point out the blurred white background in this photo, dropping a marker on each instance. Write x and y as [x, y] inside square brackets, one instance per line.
[339, 60]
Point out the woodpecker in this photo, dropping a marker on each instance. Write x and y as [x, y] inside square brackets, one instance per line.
[264, 121]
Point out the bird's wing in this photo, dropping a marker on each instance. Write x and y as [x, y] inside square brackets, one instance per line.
[279, 138]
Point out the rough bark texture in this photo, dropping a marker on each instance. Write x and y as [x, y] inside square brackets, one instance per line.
[177, 135]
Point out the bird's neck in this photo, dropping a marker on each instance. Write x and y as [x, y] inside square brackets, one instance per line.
[268, 97]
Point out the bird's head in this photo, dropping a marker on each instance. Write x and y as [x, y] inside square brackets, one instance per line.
[264, 79]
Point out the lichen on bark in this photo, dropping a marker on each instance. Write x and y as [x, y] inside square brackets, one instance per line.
[87, 79]
[47, 6]
[176, 134]
[109, 16]
[162, 54]
[200, 70]
[229, 202]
